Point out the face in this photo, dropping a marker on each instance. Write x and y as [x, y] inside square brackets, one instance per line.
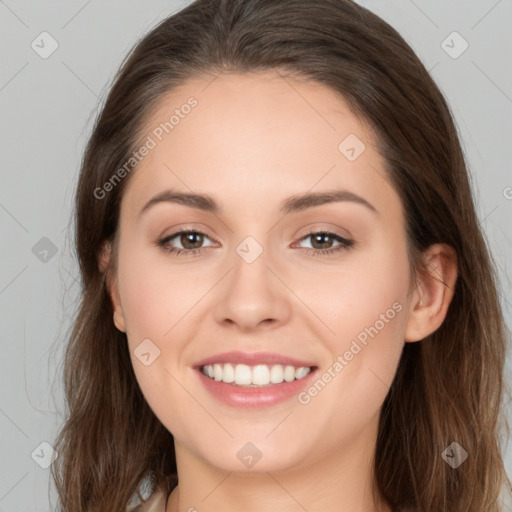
[325, 283]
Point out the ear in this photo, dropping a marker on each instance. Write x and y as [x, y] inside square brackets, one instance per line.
[104, 258]
[434, 292]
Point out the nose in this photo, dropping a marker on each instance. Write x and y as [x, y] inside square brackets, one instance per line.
[252, 296]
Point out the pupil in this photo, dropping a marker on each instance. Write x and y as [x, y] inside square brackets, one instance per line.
[320, 237]
[189, 237]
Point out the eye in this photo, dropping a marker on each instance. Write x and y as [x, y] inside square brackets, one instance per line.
[191, 242]
[322, 243]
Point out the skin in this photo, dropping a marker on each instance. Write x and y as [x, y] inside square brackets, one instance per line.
[252, 141]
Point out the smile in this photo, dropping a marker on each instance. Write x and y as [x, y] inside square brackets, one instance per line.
[254, 376]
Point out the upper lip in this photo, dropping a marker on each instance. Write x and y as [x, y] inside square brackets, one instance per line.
[253, 359]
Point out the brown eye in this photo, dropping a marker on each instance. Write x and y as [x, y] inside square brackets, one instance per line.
[322, 243]
[187, 242]
[191, 240]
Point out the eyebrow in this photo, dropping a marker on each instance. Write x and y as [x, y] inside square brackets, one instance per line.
[295, 203]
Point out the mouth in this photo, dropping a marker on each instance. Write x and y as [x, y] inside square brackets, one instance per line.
[254, 376]
[253, 380]
[255, 386]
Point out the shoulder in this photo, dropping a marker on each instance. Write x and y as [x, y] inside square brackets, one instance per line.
[156, 502]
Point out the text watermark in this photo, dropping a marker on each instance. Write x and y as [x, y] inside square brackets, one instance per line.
[150, 143]
[304, 397]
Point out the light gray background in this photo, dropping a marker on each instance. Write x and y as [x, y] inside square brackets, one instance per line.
[47, 108]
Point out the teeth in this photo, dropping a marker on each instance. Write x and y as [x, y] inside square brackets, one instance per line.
[253, 376]
[260, 375]
[276, 374]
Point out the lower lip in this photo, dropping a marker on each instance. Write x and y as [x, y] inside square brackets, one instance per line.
[253, 397]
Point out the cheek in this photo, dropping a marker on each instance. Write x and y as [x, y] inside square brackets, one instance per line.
[143, 303]
[364, 306]
[366, 289]
[158, 301]
[155, 301]
[155, 294]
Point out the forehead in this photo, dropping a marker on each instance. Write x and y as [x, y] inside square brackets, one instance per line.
[248, 137]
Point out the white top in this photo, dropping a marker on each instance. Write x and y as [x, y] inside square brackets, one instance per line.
[155, 503]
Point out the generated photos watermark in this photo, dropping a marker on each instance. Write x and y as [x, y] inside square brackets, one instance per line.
[304, 397]
[151, 142]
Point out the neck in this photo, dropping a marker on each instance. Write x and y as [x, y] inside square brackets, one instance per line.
[342, 481]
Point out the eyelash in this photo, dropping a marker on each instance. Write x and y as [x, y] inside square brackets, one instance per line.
[345, 244]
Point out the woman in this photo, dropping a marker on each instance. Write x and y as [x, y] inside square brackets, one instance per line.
[287, 299]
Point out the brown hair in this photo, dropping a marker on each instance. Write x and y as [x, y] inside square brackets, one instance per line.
[448, 387]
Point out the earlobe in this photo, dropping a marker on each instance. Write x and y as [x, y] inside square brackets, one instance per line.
[116, 303]
[434, 293]
[112, 287]
[119, 319]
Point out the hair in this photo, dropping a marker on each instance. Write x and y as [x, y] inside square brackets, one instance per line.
[448, 387]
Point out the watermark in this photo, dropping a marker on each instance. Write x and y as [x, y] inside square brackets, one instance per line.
[146, 352]
[304, 397]
[44, 455]
[44, 250]
[44, 45]
[454, 45]
[454, 455]
[144, 150]
[507, 192]
[249, 455]
[352, 147]
[249, 249]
